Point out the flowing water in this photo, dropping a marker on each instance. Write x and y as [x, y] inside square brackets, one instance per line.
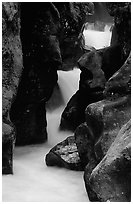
[95, 38]
[32, 179]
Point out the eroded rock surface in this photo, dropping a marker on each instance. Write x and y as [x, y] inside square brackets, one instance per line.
[84, 140]
[111, 179]
[107, 60]
[91, 86]
[65, 154]
[11, 72]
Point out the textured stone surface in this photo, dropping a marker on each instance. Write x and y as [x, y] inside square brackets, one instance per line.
[84, 139]
[65, 154]
[121, 11]
[106, 118]
[111, 179]
[114, 111]
[120, 82]
[11, 72]
[91, 86]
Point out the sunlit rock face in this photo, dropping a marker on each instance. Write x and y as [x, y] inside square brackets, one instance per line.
[11, 72]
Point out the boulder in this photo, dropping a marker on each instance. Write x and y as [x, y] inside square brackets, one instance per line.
[110, 114]
[65, 154]
[115, 113]
[91, 86]
[11, 72]
[111, 178]
[84, 139]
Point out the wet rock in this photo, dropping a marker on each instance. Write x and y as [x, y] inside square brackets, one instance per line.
[111, 179]
[11, 72]
[84, 139]
[91, 86]
[65, 154]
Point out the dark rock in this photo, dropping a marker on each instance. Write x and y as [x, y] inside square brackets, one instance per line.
[11, 72]
[41, 58]
[84, 139]
[73, 115]
[8, 139]
[91, 86]
[72, 17]
[112, 59]
[121, 11]
[91, 62]
[65, 154]
[120, 82]
[30, 122]
[106, 118]
[111, 179]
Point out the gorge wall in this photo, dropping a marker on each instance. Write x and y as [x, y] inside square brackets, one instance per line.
[100, 113]
[39, 40]
[34, 37]
[12, 68]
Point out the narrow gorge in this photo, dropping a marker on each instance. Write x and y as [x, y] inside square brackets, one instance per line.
[66, 101]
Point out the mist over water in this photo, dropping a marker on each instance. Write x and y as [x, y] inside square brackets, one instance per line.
[32, 179]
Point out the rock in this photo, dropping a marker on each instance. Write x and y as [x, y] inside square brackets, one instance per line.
[11, 73]
[73, 15]
[106, 117]
[91, 62]
[111, 179]
[121, 11]
[65, 154]
[73, 114]
[110, 114]
[41, 58]
[30, 122]
[91, 86]
[120, 82]
[112, 59]
[8, 140]
[84, 139]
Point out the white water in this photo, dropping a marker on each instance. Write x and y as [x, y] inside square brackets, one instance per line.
[33, 181]
[95, 38]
